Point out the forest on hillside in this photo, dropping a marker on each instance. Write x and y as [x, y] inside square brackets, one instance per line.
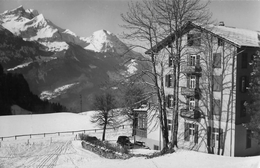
[14, 90]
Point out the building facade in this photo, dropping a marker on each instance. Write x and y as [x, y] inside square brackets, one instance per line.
[214, 76]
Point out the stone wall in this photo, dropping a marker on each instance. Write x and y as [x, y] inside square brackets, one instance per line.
[106, 153]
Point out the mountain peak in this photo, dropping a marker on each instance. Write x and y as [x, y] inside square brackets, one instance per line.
[21, 12]
[102, 31]
[19, 8]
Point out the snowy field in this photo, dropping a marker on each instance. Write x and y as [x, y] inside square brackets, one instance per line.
[62, 150]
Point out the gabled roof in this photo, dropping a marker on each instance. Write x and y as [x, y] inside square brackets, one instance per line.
[236, 36]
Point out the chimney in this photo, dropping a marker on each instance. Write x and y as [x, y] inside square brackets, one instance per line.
[221, 23]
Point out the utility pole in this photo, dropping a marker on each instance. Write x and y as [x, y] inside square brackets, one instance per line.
[80, 102]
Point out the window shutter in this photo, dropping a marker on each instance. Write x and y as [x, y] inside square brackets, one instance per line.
[187, 104]
[172, 81]
[244, 60]
[217, 83]
[190, 39]
[221, 136]
[188, 60]
[196, 138]
[186, 132]
[216, 60]
[198, 60]
[216, 106]
[188, 82]
[243, 83]
[167, 80]
[242, 108]
[167, 101]
[209, 137]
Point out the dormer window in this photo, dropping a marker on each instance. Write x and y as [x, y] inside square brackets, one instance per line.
[220, 42]
[194, 39]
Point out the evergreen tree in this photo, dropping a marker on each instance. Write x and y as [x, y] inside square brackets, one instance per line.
[253, 107]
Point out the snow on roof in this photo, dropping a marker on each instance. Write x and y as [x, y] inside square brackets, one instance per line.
[241, 37]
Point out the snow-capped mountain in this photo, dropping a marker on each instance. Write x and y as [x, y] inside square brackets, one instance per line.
[52, 58]
[105, 41]
[33, 26]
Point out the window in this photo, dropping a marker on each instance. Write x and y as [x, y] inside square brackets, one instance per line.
[191, 105]
[191, 132]
[156, 147]
[220, 42]
[169, 80]
[243, 84]
[192, 82]
[194, 39]
[216, 107]
[244, 60]
[216, 60]
[170, 101]
[169, 124]
[216, 137]
[193, 60]
[142, 121]
[248, 138]
[243, 108]
[217, 83]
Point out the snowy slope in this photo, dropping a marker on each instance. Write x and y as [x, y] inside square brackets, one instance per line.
[67, 153]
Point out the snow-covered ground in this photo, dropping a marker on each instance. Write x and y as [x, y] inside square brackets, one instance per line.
[64, 151]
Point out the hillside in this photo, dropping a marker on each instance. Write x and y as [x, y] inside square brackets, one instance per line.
[59, 65]
[16, 94]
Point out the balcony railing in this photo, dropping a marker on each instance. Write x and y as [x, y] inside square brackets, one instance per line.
[191, 69]
[190, 92]
[190, 114]
[141, 132]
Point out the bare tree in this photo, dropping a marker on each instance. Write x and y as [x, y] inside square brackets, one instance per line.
[140, 21]
[104, 104]
[173, 16]
[159, 23]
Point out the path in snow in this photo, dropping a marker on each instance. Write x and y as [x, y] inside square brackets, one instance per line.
[56, 154]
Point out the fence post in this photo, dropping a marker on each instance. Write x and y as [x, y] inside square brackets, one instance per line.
[44, 134]
[84, 131]
[30, 135]
[15, 137]
[95, 130]
[58, 133]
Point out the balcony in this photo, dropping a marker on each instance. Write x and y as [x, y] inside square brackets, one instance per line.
[190, 92]
[141, 132]
[191, 69]
[190, 114]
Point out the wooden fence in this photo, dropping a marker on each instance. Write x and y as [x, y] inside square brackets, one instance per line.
[59, 133]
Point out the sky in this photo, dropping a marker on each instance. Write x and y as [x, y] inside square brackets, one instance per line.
[83, 17]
